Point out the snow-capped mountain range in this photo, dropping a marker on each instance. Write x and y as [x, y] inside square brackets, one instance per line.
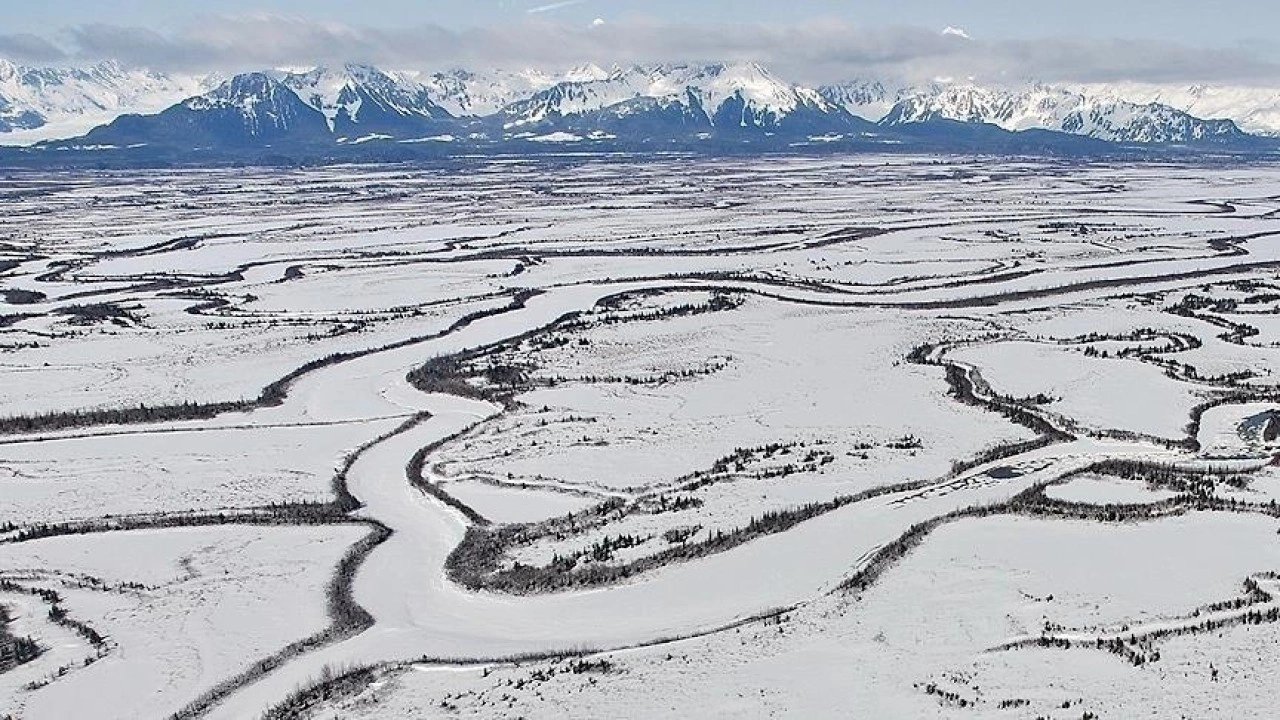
[697, 88]
[360, 103]
[1098, 115]
[38, 103]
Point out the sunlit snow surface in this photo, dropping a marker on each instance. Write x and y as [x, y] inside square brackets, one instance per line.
[783, 437]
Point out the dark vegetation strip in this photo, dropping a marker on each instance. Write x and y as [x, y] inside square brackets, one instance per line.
[1032, 502]
[952, 304]
[286, 513]
[1231, 391]
[347, 619]
[967, 387]
[338, 685]
[1138, 647]
[273, 514]
[22, 297]
[152, 432]
[1100, 284]
[14, 318]
[414, 471]
[272, 395]
[969, 302]
[344, 501]
[14, 650]
[1234, 391]
[1196, 494]
[476, 562]
[890, 554]
[449, 374]
[57, 615]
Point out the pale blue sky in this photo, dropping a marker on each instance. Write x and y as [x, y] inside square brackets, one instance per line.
[1191, 23]
[811, 40]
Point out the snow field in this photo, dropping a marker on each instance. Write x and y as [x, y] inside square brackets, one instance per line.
[997, 261]
[208, 607]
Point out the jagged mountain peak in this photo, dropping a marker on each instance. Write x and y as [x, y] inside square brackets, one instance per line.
[350, 72]
[244, 90]
[589, 72]
[360, 99]
[471, 93]
[9, 71]
[741, 69]
[753, 82]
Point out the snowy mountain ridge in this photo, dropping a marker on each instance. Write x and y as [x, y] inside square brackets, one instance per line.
[1255, 109]
[1044, 107]
[741, 94]
[636, 101]
[357, 97]
[41, 102]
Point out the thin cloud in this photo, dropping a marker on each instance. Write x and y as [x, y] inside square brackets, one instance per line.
[553, 6]
[25, 47]
[811, 53]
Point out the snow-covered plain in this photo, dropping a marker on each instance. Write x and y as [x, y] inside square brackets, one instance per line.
[206, 605]
[936, 621]
[810, 438]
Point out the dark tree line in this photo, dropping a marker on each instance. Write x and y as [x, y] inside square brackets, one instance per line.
[273, 514]
[346, 619]
[14, 650]
[968, 388]
[501, 378]
[19, 650]
[272, 395]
